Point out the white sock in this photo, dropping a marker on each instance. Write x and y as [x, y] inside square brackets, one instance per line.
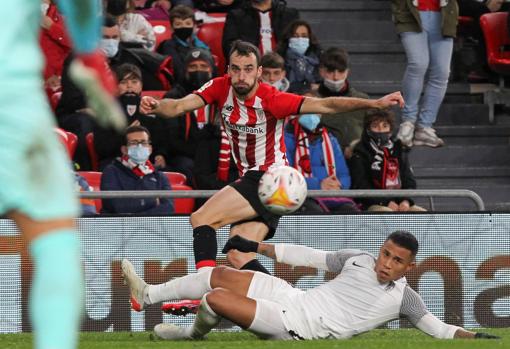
[192, 286]
[205, 321]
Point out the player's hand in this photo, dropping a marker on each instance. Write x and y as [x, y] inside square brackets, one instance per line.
[149, 105]
[482, 335]
[239, 243]
[390, 100]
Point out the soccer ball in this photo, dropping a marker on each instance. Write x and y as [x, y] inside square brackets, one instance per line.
[282, 190]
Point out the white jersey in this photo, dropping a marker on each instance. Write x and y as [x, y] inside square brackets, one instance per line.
[354, 301]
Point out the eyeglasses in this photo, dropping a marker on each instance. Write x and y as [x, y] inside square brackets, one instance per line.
[144, 143]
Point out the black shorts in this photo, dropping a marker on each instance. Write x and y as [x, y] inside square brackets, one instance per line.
[248, 186]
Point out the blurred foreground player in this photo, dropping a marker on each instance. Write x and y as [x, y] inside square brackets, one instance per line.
[39, 193]
[367, 293]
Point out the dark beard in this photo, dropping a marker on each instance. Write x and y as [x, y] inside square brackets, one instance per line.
[243, 91]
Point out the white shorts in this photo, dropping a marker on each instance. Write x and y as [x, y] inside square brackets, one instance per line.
[270, 292]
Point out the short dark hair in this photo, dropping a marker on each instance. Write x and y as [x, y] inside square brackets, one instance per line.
[128, 70]
[405, 239]
[272, 60]
[181, 12]
[334, 58]
[243, 48]
[109, 21]
[378, 115]
[133, 129]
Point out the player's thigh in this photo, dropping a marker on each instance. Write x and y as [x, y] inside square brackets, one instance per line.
[252, 230]
[224, 207]
[36, 176]
[235, 307]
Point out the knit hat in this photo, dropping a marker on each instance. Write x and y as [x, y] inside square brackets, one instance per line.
[199, 54]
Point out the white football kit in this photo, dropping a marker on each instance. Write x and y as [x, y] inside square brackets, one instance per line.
[352, 303]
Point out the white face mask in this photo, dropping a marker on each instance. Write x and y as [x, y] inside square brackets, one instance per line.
[110, 47]
[44, 8]
[334, 85]
[300, 45]
[281, 85]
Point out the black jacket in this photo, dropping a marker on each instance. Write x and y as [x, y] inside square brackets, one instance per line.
[243, 23]
[362, 174]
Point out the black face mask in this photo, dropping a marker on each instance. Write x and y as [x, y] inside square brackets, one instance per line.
[116, 7]
[197, 78]
[130, 102]
[183, 33]
[380, 138]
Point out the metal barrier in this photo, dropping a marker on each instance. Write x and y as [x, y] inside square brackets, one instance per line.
[430, 193]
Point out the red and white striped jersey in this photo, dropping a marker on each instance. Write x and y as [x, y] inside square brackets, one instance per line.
[254, 126]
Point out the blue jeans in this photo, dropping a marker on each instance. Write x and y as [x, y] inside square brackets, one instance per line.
[428, 58]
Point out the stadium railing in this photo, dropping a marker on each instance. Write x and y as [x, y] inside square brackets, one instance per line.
[360, 193]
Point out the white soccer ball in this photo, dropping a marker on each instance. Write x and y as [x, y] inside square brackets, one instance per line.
[282, 190]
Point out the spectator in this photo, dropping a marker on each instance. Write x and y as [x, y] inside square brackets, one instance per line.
[55, 44]
[301, 51]
[134, 171]
[156, 10]
[107, 142]
[135, 31]
[182, 20]
[378, 162]
[334, 70]
[426, 30]
[315, 152]
[259, 22]
[88, 206]
[273, 71]
[185, 129]
[216, 5]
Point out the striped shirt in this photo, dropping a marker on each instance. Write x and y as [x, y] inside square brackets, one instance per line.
[254, 126]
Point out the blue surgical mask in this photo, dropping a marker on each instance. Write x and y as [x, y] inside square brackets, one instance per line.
[139, 153]
[110, 47]
[300, 45]
[309, 121]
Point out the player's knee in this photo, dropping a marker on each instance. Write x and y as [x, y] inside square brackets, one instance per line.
[238, 259]
[198, 218]
[218, 298]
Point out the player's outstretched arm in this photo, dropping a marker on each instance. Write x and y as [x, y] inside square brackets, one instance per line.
[332, 105]
[285, 253]
[169, 108]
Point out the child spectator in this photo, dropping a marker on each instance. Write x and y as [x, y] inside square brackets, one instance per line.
[273, 71]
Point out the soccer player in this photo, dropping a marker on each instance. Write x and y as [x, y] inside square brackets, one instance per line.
[36, 185]
[253, 115]
[367, 293]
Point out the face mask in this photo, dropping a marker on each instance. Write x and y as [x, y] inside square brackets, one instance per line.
[44, 8]
[110, 47]
[334, 85]
[139, 153]
[309, 121]
[300, 45]
[380, 138]
[130, 101]
[197, 78]
[281, 85]
[183, 33]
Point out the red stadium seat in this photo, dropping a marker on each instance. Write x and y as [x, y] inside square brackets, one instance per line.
[68, 139]
[211, 34]
[175, 177]
[162, 30]
[497, 40]
[94, 158]
[183, 205]
[94, 180]
[158, 94]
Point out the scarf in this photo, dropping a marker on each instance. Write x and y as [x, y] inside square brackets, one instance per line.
[139, 170]
[385, 166]
[224, 157]
[302, 161]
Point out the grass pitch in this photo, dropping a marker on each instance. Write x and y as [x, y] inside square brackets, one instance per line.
[378, 339]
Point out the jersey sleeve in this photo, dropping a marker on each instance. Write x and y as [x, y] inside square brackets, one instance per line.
[415, 310]
[335, 261]
[212, 90]
[283, 104]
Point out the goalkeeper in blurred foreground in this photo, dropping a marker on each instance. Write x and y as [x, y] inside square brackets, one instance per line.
[36, 184]
[367, 293]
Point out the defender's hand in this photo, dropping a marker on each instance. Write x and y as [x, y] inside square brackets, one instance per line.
[482, 335]
[241, 244]
[148, 105]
